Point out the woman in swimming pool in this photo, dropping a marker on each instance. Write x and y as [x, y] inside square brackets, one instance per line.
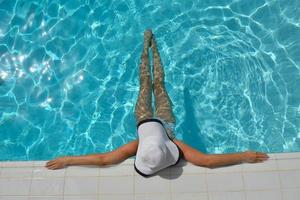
[156, 147]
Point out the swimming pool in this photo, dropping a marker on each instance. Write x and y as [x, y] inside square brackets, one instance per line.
[69, 74]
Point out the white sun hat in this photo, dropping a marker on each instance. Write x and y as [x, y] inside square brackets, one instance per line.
[155, 150]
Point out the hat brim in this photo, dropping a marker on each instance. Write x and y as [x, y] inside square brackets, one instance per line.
[146, 130]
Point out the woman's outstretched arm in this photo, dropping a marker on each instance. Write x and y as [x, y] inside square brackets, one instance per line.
[217, 160]
[109, 158]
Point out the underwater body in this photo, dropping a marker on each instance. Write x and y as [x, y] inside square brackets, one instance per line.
[70, 74]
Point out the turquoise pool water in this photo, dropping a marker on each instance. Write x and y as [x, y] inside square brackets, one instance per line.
[69, 74]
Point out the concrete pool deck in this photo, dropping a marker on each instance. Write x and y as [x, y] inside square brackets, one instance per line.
[276, 179]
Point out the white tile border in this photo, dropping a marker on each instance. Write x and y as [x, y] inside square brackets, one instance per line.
[224, 182]
[234, 181]
[116, 185]
[270, 165]
[264, 194]
[18, 172]
[18, 164]
[237, 195]
[261, 180]
[117, 170]
[81, 185]
[287, 155]
[130, 161]
[49, 186]
[43, 172]
[82, 171]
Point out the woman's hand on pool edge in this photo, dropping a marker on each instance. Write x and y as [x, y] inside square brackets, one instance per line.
[57, 163]
[254, 157]
[101, 159]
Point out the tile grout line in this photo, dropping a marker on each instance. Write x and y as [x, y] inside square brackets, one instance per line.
[145, 193]
[261, 171]
[244, 186]
[279, 177]
[170, 187]
[30, 185]
[64, 183]
[135, 178]
[134, 194]
[206, 185]
[98, 183]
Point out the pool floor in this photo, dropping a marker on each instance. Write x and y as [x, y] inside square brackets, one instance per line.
[276, 179]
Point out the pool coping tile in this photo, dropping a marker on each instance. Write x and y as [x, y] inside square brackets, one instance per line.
[163, 184]
[17, 164]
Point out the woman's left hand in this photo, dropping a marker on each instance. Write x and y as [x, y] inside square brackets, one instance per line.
[57, 163]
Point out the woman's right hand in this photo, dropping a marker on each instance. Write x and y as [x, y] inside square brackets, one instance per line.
[254, 157]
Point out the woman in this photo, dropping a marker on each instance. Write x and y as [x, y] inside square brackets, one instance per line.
[163, 116]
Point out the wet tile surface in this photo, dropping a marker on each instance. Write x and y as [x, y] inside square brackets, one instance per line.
[277, 178]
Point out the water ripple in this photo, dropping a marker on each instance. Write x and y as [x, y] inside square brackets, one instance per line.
[69, 74]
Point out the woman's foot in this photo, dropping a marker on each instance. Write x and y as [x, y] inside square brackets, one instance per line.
[147, 38]
[157, 69]
[153, 43]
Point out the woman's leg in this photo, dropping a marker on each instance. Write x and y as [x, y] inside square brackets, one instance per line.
[162, 100]
[143, 109]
